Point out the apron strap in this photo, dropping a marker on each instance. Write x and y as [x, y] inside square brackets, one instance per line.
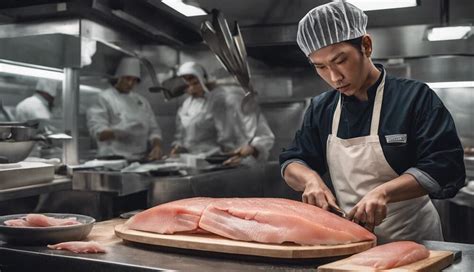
[336, 117]
[374, 126]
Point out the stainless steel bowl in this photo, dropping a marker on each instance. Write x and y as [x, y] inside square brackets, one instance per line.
[11, 151]
[16, 133]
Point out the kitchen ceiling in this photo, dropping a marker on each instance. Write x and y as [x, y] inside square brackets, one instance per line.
[268, 26]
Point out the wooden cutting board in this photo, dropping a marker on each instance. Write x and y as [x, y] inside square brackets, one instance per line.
[435, 262]
[209, 242]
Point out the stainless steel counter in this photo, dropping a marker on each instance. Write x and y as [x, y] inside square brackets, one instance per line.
[60, 183]
[110, 182]
[132, 257]
[245, 181]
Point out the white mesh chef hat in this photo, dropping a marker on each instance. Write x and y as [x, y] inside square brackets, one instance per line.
[48, 86]
[192, 68]
[128, 66]
[329, 24]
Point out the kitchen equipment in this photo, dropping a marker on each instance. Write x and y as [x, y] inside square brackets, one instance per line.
[16, 131]
[24, 174]
[213, 243]
[230, 51]
[174, 87]
[337, 211]
[46, 235]
[18, 139]
[218, 158]
[435, 262]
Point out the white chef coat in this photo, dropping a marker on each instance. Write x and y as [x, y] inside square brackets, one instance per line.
[131, 118]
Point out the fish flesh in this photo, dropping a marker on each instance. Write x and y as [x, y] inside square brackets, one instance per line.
[172, 217]
[80, 247]
[273, 220]
[265, 220]
[391, 255]
[20, 222]
[40, 221]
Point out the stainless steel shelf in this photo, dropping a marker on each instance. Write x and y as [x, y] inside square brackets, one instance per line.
[59, 183]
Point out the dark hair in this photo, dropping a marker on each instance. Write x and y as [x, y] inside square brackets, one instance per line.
[357, 43]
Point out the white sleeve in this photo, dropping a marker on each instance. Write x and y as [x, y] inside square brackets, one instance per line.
[98, 117]
[264, 138]
[155, 130]
[178, 135]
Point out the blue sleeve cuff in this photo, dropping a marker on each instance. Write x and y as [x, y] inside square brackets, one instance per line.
[424, 179]
[286, 163]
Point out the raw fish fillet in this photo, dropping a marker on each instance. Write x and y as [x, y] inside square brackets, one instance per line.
[20, 222]
[80, 247]
[265, 220]
[39, 220]
[275, 220]
[177, 216]
[391, 255]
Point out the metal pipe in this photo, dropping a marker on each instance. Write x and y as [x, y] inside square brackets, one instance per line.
[70, 115]
[444, 12]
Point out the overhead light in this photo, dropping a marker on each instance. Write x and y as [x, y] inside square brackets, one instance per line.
[383, 4]
[30, 70]
[185, 9]
[448, 33]
[451, 84]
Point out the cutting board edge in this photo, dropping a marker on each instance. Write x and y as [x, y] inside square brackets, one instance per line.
[240, 247]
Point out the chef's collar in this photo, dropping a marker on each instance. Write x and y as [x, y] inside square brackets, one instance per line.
[372, 89]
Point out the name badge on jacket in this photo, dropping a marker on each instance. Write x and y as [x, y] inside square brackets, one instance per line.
[396, 139]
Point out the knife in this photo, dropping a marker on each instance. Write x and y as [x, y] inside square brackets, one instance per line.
[337, 211]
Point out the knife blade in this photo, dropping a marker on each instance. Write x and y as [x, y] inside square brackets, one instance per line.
[337, 211]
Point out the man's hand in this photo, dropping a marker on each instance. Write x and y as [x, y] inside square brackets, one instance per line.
[240, 153]
[177, 149]
[155, 153]
[318, 194]
[371, 209]
[315, 192]
[106, 134]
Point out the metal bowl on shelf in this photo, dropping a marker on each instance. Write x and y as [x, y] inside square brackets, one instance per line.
[17, 139]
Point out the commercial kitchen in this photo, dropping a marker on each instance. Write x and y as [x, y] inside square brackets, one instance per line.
[65, 65]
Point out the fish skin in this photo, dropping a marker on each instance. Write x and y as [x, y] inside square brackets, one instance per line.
[391, 255]
[266, 220]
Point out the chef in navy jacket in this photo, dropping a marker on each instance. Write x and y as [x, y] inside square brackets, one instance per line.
[388, 144]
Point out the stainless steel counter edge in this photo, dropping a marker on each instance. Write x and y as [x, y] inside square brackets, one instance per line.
[127, 257]
[59, 183]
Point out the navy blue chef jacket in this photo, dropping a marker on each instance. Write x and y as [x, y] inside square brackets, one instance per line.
[426, 146]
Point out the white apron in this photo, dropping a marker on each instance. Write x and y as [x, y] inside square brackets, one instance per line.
[358, 165]
[196, 125]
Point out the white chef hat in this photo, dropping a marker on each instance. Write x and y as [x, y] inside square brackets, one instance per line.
[48, 86]
[329, 24]
[192, 68]
[128, 66]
